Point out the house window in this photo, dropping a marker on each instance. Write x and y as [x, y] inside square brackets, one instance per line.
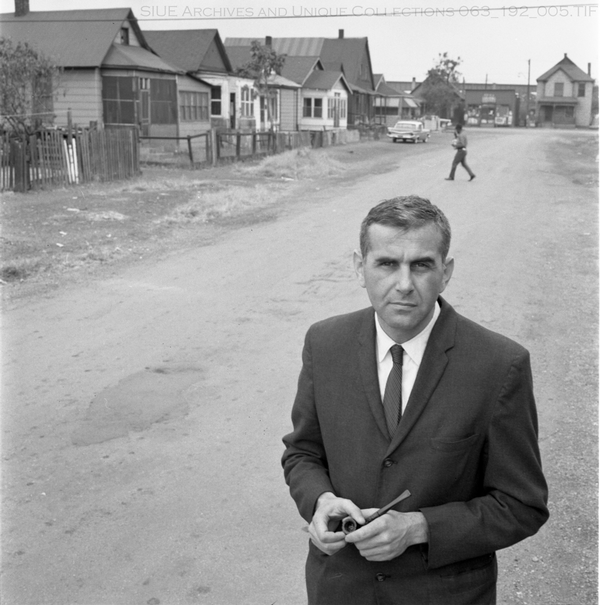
[318, 108]
[163, 101]
[569, 112]
[118, 100]
[193, 106]
[313, 107]
[272, 106]
[215, 101]
[559, 89]
[247, 107]
[331, 103]
[581, 89]
[43, 101]
[124, 36]
[343, 110]
[336, 103]
[307, 108]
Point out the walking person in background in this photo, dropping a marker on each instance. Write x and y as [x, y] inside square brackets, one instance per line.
[460, 144]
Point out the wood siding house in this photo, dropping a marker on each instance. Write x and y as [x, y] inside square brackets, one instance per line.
[353, 58]
[234, 103]
[348, 56]
[111, 77]
[455, 108]
[285, 99]
[325, 101]
[392, 105]
[564, 96]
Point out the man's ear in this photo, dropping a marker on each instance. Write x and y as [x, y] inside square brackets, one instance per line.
[359, 267]
[448, 270]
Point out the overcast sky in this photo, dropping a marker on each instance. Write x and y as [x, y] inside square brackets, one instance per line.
[493, 40]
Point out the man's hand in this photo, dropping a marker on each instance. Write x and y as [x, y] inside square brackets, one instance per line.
[390, 535]
[330, 510]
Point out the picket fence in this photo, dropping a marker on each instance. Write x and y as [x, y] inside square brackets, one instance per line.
[58, 158]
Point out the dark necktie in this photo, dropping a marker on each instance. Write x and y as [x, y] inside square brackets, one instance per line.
[392, 399]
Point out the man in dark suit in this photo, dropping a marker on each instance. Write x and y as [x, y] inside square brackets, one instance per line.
[448, 415]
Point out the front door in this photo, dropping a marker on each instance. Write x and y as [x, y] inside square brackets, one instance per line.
[548, 113]
[336, 110]
[145, 112]
[144, 117]
[232, 110]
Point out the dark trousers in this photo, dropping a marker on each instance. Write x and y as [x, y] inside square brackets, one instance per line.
[460, 158]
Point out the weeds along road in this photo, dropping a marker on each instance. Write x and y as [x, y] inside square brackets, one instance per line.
[143, 413]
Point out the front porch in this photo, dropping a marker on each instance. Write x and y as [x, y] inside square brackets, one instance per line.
[556, 113]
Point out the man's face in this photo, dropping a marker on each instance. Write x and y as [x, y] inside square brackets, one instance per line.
[404, 273]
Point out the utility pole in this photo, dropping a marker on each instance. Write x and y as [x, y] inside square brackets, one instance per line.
[527, 104]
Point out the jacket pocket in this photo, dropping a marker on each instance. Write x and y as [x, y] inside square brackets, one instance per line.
[450, 447]
[477, 578]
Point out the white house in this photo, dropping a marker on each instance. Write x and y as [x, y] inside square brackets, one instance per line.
[564, 95]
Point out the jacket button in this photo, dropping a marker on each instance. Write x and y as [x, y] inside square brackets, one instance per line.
[380, 577]
[387, 463]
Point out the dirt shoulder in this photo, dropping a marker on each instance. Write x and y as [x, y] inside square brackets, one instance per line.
[54, 237]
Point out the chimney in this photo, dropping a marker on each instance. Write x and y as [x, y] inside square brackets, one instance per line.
[566, 56]
[340, 34]
[21, 8]
[414, 84]
[589, 69]
[268, 41]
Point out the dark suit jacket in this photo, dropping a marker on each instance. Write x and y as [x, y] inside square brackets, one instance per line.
[466, 448]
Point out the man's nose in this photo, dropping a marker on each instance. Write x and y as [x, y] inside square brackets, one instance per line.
[404, 281]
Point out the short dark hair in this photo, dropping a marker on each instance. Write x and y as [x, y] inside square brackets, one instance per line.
[458, 127]
[406, 212]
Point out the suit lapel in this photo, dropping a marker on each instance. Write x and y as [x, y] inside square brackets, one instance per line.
[367, 361]
[430, 372]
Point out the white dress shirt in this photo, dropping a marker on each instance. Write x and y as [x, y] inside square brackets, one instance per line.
[413, 354]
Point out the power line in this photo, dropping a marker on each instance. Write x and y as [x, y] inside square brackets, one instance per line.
[233, 14]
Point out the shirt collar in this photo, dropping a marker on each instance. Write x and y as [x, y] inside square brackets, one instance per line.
[414, 348]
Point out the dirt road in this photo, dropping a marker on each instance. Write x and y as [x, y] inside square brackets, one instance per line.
[143, 412]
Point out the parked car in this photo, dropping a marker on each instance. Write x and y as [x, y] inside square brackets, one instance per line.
[408, 131]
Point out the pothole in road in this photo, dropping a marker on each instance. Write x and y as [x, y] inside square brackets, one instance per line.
[135, 403]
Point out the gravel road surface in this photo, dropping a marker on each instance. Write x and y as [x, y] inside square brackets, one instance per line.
[143, 411]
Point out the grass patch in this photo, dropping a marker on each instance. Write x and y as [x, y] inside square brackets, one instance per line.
[213, 206]
[21, 269]
[297, 164]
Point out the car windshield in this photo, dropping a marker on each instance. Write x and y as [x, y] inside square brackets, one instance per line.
[406, 125]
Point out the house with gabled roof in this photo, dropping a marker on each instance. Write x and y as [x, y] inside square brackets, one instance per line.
[284, 98]
[110, 75]
[564, 96]
[320, 99]
[349, 56]
[392, 105]
[324, 101]
[454, 108]
[200, 52]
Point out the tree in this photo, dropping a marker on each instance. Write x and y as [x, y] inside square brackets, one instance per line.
[28, 81]
[264, 64]
[439, 87]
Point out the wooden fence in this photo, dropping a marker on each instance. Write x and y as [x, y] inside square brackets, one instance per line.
[235, 145]
[53, 158]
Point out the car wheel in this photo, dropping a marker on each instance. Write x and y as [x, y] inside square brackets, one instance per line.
[394, 140]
